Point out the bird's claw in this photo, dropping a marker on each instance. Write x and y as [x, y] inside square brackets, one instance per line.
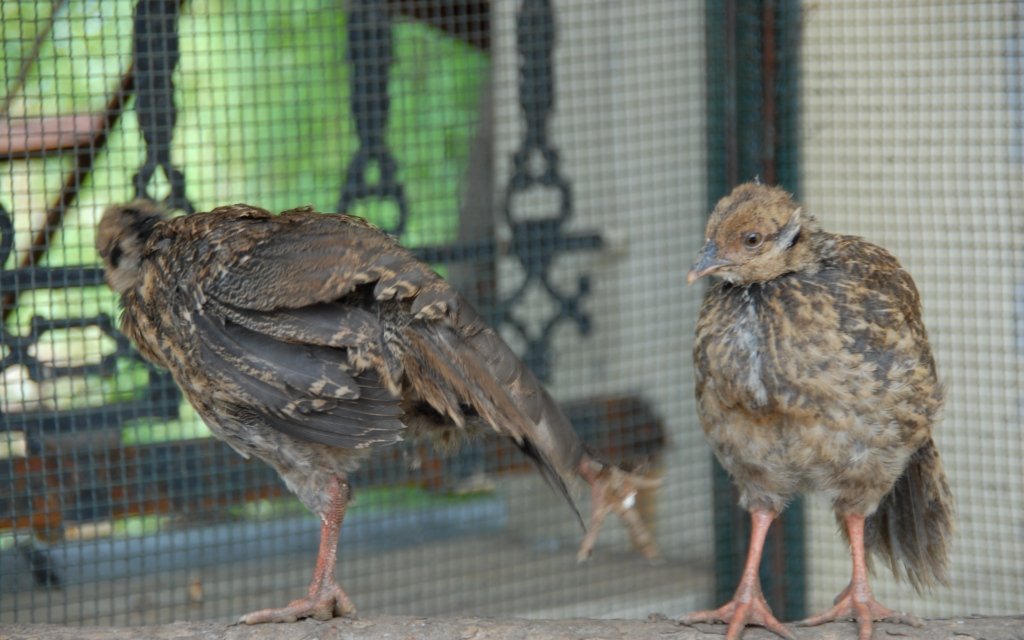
[615, 490]
[865, 610]
[331, 602]
[738, 614]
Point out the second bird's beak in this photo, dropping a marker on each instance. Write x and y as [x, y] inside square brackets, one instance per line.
[707, 262]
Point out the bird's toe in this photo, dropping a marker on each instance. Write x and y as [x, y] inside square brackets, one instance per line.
[333, 602]
[866, 611]
[615, 491]
[738, 615]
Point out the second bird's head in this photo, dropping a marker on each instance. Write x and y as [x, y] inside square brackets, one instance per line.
[121, 239]
[752, 236]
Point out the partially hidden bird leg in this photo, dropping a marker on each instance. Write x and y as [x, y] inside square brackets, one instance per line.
[856, 600]
[748, 605]
[325, 599]
[614, 490]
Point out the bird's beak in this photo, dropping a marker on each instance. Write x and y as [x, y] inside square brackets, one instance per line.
[707, 262]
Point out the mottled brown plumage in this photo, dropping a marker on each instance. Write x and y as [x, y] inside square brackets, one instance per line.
[814, 374]
[307, 339]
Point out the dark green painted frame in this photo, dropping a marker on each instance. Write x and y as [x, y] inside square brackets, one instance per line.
[753, 113]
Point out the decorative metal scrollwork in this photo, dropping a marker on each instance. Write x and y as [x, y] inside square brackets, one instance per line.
[369, 56]
[6, 236]
[536, 241]
[155, 54]
[159, 399]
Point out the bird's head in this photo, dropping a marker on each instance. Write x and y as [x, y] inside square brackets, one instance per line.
[121, 237]
[754, 235]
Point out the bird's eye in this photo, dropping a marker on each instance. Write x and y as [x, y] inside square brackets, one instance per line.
[115, 255]
[752, 240]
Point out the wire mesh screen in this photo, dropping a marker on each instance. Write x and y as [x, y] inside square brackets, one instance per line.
[912, 137]
[555, 160]
[446, 123]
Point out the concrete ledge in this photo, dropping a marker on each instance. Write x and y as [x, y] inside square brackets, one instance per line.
[466, 628]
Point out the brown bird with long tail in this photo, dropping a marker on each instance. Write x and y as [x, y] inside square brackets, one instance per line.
[814, 374]
[307, 339]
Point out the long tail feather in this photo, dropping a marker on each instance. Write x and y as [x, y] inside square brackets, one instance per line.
[913, 527]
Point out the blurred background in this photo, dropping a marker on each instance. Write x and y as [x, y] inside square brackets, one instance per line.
[556, 160]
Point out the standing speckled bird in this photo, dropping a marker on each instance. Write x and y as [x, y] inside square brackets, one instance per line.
[814, 374]
[307, 339]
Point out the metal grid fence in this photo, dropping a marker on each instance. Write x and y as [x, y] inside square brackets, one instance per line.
[556, 160]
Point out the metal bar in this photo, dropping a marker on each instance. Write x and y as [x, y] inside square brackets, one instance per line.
[49, 278]
[90, 419]
[84, 160]
[467, 20]
[22, 138]
[474, 251]
[485, 250]
[30, 59]
[747, 104]
[783, 77]
[177, 476]
[732, 144]
[769, 115]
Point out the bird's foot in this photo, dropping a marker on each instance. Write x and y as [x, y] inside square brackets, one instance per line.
[615, 490]
[864, 609]
[738, 613]
[329, 602]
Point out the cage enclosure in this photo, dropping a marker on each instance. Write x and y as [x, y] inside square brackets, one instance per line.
[555, 160]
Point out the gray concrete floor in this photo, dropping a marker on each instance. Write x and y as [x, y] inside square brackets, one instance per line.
[496, 574]
[510, 553]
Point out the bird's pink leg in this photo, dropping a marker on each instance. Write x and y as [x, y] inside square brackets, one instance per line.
[748, 606]
[856, 600]
[325, 599]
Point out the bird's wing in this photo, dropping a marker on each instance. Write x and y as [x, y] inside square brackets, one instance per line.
[333, 281]
[882, 308]
[303, 258]
[883, 321]
[300, 388]
[325, 281]
[850, 335]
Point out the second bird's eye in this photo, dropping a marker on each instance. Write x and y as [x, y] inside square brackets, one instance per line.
[115, 255]
[752, 240]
